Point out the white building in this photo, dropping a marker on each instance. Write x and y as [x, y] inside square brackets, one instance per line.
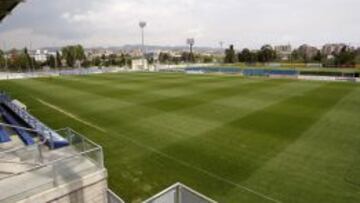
[284, 51]
[139, 65]
[40, 55]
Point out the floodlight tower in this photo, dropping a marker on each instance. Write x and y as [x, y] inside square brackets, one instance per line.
[142, 25]
[191, 42]
[221, 43]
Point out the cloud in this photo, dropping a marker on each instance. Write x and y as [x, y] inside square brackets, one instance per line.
[244, 23]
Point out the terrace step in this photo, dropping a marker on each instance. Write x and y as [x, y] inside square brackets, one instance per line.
[13, 168]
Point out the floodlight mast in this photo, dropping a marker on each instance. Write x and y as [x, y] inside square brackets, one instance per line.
[221, 43]
[191, 42]
[142, 25]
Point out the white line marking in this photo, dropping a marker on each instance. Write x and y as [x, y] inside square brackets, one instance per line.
[184, 163]
[71, 115]
[213, 175]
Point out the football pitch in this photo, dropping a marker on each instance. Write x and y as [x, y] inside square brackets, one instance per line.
[231, 138]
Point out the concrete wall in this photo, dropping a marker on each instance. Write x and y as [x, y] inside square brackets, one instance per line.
[89, 189]
[96, 193]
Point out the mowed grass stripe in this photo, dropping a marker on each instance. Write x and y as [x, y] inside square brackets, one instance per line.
[321, 156]
[257, 87]
[189, 153]
[257, 144]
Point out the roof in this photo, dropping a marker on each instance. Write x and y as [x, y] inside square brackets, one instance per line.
[6, 6]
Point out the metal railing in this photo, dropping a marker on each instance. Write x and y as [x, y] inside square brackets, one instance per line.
[179, 193]
[51, 168]
[113, 198]
[38, 126]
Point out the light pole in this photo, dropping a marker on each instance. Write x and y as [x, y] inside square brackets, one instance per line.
[221, 43]
[142, 25]
[191, 42]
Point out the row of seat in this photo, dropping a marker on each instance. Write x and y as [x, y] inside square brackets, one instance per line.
[20, 117]
[12, 120]
[267, 72]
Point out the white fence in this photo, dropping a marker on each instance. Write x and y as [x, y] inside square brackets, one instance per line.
[54, 73]
[328, 78]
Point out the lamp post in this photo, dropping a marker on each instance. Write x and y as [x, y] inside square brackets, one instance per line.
[191, 42]
[221, 43]
[142, 25]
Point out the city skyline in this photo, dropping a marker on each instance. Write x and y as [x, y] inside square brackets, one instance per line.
[113, 23]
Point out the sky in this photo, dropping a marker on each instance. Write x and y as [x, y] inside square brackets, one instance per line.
[244, 23]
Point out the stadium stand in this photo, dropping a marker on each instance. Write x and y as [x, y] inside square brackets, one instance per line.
[255, 72]
[6, 6]
[12, 120]
[224, 70]
[53, 139]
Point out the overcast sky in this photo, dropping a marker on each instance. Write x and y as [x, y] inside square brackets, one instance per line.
[245, 23]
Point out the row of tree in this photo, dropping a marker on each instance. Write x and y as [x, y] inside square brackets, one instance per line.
[20, 61]
[265, 55]
[346, 57]
[185, 57]
[69, 56]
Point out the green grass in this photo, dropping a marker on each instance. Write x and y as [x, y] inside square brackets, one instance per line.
[287, 140]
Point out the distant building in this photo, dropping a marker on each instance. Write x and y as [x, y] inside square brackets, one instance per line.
[40, 55]
[284, 51]
[333, 49]
[308, 51]
[139, 65]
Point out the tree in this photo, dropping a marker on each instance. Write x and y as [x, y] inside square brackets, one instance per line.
[122, 60]
[58, 59]
[230, 55]
[164, 57]
[29, 60]
[358, 55]
[345, 58]
[20, 62]
[245, 56]
[97, 61]
[113, 59]
[267, 54]
[317, 57]
[2, 61]
[72, 54]
[295, 56]
[208, 59]
[51, 61]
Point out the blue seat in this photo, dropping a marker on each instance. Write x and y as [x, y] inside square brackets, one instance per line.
[24, 135]
[4, 135]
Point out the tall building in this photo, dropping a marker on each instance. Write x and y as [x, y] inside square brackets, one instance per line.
[284, 51]
[308, 51]
[332, 49]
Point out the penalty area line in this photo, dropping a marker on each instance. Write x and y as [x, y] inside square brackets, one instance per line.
[71, 115]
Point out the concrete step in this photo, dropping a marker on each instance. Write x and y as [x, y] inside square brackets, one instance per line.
[12, 168]
[18, 187]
